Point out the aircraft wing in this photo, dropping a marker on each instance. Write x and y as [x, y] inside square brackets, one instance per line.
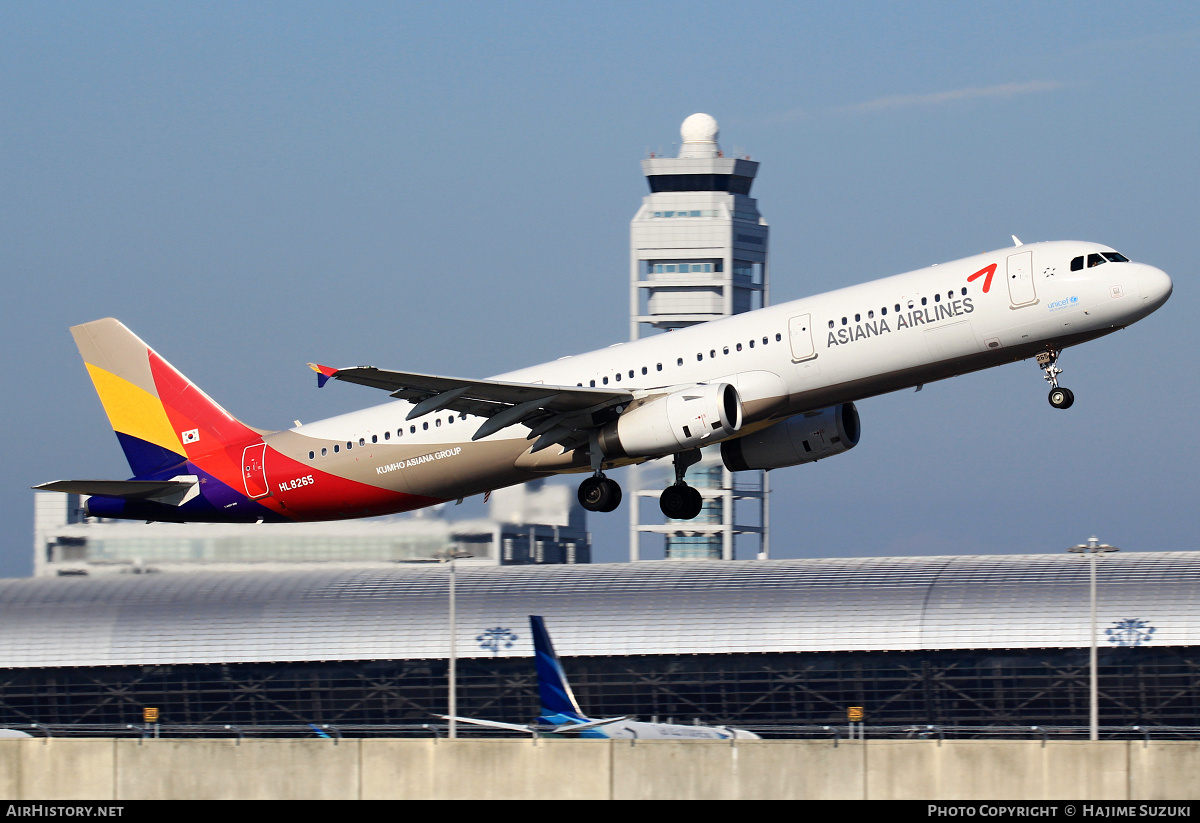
[554, 414]
[174, 492]
[562, 728]
[491, 724]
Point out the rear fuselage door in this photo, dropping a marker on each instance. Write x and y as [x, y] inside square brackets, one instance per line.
[254, 471]
[1020, 279]
[800, 334]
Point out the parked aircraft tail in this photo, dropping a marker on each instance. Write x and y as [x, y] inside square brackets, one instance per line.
[553, 688]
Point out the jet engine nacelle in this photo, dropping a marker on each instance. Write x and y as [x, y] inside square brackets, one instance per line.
[803, 438]
[685, 419]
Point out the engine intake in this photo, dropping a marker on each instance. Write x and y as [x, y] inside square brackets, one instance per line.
[803, 438]
[685, 419]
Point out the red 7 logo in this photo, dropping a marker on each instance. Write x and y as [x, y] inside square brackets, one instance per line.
[986, 273]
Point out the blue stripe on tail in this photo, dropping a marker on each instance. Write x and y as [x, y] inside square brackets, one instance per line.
[553, 688]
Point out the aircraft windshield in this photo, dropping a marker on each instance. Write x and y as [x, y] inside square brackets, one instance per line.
[1098, 259]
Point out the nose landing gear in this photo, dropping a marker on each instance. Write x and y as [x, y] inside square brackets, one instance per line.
[1060, 398]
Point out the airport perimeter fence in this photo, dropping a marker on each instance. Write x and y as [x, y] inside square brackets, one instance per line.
[835, 734]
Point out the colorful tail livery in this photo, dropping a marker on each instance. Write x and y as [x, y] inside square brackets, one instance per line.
[773, 388]
[191, 459]
[561, 714]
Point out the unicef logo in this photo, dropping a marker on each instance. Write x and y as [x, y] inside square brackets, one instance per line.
[1065, 303]
[1130, 632]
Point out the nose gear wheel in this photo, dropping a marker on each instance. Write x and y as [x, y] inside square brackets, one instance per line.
[1060, 398]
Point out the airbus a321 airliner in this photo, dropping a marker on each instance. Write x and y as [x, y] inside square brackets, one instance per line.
[774, 387]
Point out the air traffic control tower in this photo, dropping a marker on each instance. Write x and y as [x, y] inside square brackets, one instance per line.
[698, 251]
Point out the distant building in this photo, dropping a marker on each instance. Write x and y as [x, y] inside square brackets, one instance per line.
[531, 524]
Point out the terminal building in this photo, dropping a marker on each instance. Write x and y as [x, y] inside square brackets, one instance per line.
[955, 641]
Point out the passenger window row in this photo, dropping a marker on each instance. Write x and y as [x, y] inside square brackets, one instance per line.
[912, 304]
[387, 435]
[712, 353]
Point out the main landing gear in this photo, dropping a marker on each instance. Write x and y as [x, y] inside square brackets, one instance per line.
[598, 493]
[1060, 398]
[680, 501]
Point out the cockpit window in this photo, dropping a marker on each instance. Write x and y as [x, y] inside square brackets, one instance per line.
[1097, 259]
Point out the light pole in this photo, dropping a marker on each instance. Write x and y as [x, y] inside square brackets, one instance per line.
[1093, 548]
[453, 734]
[450, 556]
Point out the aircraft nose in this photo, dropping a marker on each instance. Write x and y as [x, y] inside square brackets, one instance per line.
[1155, 286]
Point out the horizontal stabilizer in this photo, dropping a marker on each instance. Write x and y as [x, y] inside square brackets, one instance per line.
[173, 492]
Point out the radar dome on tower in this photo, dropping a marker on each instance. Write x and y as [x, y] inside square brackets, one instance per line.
[699, 134]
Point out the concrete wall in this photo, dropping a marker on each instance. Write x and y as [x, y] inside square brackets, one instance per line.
[106, 769]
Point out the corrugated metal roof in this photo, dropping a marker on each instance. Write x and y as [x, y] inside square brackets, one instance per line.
[661, 607]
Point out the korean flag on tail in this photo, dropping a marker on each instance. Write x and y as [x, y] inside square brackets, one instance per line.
[190, 436]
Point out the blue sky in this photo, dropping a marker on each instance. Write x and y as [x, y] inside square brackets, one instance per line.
[448, 187]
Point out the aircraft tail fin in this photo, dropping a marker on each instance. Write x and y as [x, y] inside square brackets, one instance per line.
[160, 417]
[553, 688]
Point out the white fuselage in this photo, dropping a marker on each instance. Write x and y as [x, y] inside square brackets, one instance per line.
[807, 354]
[634, 730]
